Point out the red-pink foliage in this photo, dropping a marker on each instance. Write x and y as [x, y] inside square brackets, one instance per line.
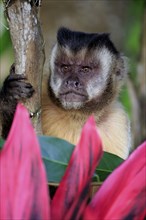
[23, 183]
[123, 194]
[71, 197]
[23, 188]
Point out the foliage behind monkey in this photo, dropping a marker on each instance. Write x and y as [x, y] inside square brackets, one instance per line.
[86, 74]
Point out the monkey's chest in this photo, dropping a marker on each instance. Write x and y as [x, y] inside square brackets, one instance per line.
[62, 127]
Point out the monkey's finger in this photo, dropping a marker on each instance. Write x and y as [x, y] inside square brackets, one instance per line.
[19, 88]
[20, 84]
[15, 77]
[19, 94]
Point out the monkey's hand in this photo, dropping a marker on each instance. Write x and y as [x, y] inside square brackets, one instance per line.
[15, 89]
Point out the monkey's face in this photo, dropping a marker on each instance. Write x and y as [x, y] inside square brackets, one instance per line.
[82, 76]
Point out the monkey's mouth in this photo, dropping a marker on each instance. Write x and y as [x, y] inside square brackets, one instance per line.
[72, 96]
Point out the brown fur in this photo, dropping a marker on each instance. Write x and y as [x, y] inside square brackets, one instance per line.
[73, 94]
[86, 74]
[112, 124]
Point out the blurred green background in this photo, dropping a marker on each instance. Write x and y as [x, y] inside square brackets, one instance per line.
[124, 19]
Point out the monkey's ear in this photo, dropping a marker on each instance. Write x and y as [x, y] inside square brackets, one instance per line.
[122, 67]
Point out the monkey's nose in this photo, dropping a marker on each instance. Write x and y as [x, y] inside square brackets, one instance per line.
[73, 84]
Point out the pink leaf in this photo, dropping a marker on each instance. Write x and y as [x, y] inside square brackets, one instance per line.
[123, 194]
[23, 183]
[71, 196]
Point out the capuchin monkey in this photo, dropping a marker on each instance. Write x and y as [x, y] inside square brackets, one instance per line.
[86, 75]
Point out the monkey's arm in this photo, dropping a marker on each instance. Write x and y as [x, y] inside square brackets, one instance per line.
[115, 132]
[14, 89]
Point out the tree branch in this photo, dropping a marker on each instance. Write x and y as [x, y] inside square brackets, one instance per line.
[28, 46]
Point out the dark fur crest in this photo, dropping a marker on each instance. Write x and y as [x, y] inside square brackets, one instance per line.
[76, 40]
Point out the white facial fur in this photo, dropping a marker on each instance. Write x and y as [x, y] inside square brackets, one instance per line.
[53, 56]
[55, 84]
[70, 105]
[105, 58]
[94, 87]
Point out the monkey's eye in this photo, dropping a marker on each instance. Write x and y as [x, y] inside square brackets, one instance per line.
[65, 68]
[86, 69]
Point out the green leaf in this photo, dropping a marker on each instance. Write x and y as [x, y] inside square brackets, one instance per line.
[108, 163]
[1, 143]
[56, 155]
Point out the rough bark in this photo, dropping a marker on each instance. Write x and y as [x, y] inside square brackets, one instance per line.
[28, 44]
